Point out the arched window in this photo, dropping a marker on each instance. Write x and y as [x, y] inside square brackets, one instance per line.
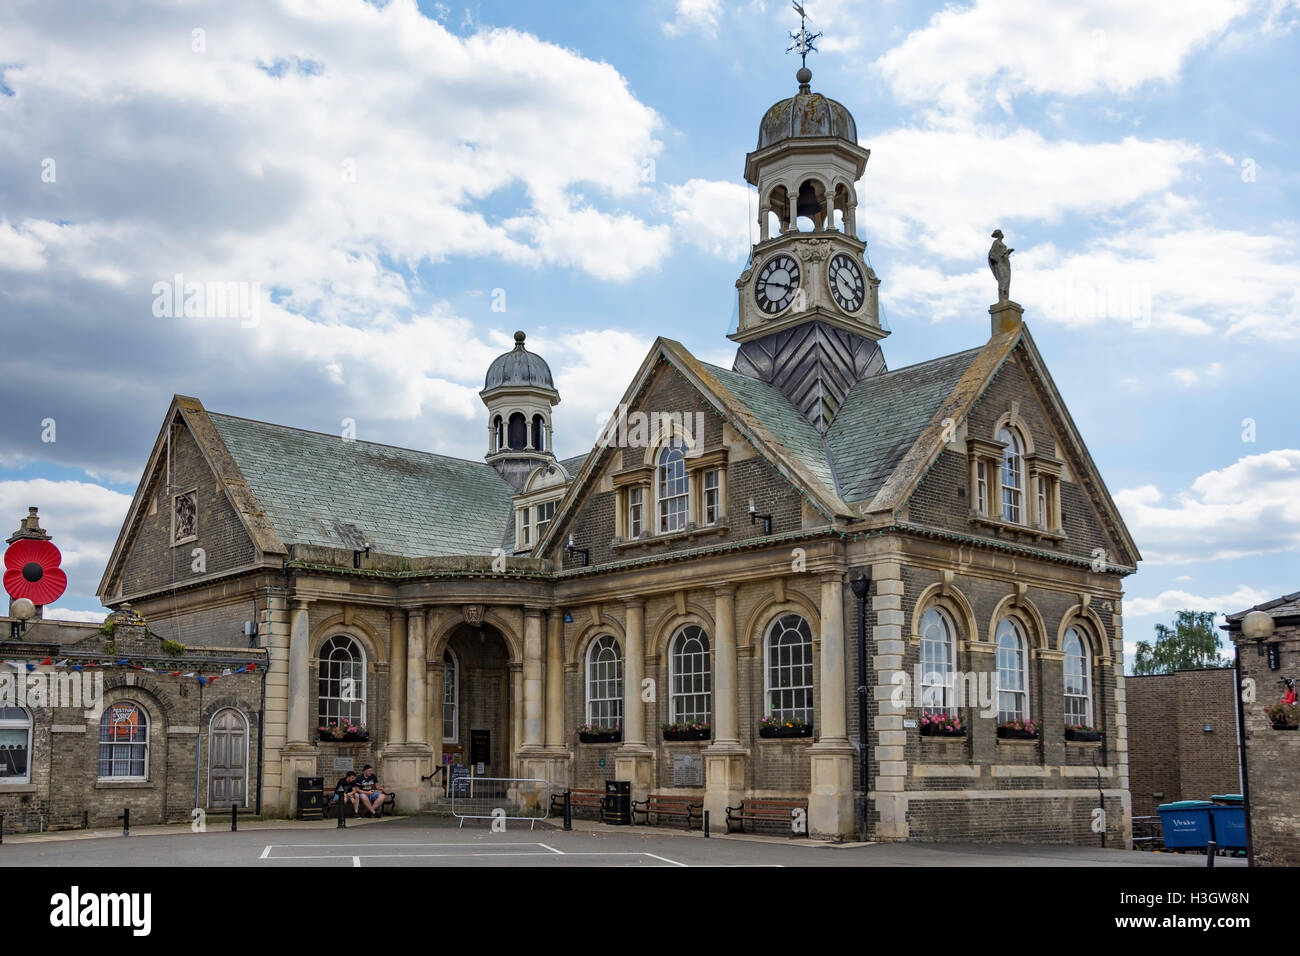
[673, 487]
[689, 677]
[1078, 680]
[15, 745]
[938, 661]
[1012, 475]
[498, 434]
[124, 742]
[517, 431]
[789, 668]
[450, 697]
[342, 682]
[1013, 678]
[539, 433]
[605, 683]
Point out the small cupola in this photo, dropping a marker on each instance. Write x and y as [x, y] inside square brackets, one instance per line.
[519, 393]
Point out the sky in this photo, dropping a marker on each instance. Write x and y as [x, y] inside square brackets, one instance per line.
[391, 189]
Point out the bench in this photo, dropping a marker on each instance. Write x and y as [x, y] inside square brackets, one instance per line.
[668, 805]
[389, 806]
[766, 811]
[580, 800]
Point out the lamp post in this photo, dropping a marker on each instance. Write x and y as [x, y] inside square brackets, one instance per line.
[1256, 626]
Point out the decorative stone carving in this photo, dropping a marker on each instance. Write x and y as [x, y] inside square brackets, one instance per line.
[1000, 264]
[473, 614]
[814, 250]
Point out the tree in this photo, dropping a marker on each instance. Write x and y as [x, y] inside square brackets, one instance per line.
[1192, 642]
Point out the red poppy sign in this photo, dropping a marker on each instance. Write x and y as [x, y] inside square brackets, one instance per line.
[32, 571]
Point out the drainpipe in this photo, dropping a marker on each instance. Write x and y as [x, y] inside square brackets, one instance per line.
[861, 585]
[1241, 756]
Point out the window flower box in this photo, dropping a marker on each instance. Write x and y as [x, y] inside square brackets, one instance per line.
[686, 731]
[1080, 733]
[1018, 730]
[942, 725]
[342, 732]
[1282, 716]
[597, 734]
[776, 727]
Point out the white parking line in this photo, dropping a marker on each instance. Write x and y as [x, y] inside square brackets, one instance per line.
[267, 852]
[462, 850]
[356, 861]
[551, 848]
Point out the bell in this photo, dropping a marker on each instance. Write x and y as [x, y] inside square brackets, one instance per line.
[808, 204]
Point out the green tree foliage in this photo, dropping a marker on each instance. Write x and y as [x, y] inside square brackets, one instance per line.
[1192, 642]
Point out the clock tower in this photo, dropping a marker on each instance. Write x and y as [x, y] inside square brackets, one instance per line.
[808, 300]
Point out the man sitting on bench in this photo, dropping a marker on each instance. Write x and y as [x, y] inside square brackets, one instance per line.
[345, 793]
[372, 794]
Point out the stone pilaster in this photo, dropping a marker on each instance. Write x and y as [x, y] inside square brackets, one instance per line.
[634, 760]
[275, 638]
[724, 759]
[534, 622]
[397, 678]
[404, 764]
[830, 801]
[889, 784]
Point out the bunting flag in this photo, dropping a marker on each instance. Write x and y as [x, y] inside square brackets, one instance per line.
[30, 666]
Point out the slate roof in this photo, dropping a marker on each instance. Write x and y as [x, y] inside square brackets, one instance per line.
[883, 416]
[1286, 606]
[319, 489]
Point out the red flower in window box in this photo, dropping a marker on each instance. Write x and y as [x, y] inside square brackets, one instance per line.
[32, 571]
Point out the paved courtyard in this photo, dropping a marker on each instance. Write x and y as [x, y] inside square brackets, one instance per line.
[430, 841]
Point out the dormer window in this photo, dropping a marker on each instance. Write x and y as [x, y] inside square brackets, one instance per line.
[543, 515]
[1012, 475]
[672, 487]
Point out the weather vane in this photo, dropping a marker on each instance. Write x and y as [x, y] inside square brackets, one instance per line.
[803, 40]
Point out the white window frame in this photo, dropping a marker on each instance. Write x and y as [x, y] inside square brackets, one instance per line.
[600, 709]
[937, 633]
[1013, 466]
[981, 487]
[781, 627]
[451, 700]
[711, 506]
[690, 677]
[1010, 630]
[635, 512]
[324, 675]
[672, 510]
[524, 531]
[1084, 674]
[539, 523]
[23, 723]
[104, 720]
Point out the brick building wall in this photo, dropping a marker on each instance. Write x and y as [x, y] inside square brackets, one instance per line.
[1171, 756]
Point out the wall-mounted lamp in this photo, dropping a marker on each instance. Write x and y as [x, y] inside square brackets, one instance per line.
[755, 517]
[356, 555]
[574, 549]
[22, 611]
[1258, 626]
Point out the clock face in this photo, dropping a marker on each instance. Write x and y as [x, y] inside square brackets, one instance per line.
[777, 284]
[846, 282]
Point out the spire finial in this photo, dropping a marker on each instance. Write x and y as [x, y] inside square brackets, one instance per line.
[803, 45]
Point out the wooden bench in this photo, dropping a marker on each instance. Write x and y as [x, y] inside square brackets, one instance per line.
[580, 800]
[668, 805]
[389, 806]
[766, 811]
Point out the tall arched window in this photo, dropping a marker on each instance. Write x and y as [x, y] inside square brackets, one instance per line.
[539, 433]
[1078, 679]
[689, 676]
[1012, 475]
[15, 745]
[498, 434]
[517, 431]
[789, 671]
[672, 487]
[124, 742]
[450, 697]
[342, 683]
[938, 661]
[605, 683]
[1013, 678]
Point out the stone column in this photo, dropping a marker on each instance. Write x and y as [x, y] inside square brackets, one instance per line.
[516, 710]
[397, 677]
[298, 758]
[532, 677]
[889, 811]
[555, 730]
[405, 763]
[724, 759]
[832, 669]
[417, 701]
[830, 802]
[633, 761]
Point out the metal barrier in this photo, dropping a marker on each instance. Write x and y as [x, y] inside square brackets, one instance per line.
[500, 798]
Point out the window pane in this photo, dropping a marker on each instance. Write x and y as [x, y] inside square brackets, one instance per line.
[789, 679]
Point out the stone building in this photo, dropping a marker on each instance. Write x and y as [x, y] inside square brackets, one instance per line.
[697, 566]
[1182, 737]
[97, 719]
[1267, 638]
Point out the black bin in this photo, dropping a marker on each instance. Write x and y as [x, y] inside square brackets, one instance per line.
[311, 802]
[618, 802]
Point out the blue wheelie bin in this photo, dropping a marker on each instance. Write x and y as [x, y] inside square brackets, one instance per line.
[1187, 824]
[1229, 816]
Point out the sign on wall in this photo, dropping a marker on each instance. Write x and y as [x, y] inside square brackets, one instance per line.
[688, 770]
[480, 746]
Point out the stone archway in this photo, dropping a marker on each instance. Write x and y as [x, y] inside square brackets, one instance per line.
[473, 710]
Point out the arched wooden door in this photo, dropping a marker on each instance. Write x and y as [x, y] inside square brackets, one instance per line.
[228, 759]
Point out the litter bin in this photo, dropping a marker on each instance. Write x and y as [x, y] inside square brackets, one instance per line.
[311, 802]
[1187, 824]
[1229, 799]
[618, 802]
[1229, 817]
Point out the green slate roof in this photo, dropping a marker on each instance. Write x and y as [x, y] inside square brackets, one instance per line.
[320, 489]
[883, 416]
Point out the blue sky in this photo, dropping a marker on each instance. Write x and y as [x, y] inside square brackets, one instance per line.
[373, 173]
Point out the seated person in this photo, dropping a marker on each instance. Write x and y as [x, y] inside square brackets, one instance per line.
[345, 792]
[371, 793]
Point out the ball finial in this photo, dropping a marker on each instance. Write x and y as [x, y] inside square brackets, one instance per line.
[804, 76]
[519, 337]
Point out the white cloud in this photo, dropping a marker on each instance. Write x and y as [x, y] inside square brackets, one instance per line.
[84, 617]
[1188, 377]
[712, 215]
[1251, 507]
[695, 15]
[1170, 602]
[20, 251]
[82, 519]
[998, 49]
